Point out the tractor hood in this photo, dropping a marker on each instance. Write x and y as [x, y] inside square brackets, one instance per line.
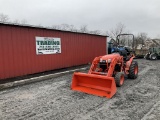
[110, 56]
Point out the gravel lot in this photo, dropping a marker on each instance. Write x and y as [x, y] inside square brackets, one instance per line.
[53, 99]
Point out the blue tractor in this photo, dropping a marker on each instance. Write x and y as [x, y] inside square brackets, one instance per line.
[122, 47]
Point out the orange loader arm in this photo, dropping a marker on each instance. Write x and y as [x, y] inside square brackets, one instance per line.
[110, 68]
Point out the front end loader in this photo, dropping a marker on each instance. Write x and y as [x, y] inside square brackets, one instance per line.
[106, 74]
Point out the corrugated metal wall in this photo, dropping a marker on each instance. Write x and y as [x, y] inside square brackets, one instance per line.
[18, 50]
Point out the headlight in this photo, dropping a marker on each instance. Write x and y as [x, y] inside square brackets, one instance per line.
[101, 60]
[109, 60]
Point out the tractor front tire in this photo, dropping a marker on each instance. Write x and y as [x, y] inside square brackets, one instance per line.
[147, 56]
[119, 79]
[133, 70]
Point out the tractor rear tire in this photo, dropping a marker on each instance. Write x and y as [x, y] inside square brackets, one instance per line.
[119, 79]
[133, 70]
[153, 56]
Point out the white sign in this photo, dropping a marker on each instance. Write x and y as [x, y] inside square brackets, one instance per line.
[48, 45]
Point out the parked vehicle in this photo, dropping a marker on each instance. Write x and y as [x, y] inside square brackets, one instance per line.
[153, 53]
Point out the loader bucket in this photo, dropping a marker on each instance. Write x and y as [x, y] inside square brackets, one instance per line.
[94, 84]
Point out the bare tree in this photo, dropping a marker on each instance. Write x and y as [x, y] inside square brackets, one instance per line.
[39, 25]
[54, 26]
[64, 27]
[57, 27]
[84, 29]
[119, 29]
[73, 28]
[24, 22]
[4, 18]
[141, 38]
[16, 21]
[97, 32]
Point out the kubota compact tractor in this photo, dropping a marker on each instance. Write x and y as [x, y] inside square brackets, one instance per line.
[107, 72]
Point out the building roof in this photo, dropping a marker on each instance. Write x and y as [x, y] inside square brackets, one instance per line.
[47, 28]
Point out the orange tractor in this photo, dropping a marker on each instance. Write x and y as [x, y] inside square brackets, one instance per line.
[107, 72]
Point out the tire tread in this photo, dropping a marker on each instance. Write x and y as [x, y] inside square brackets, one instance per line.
[117, 78]
[131, 70]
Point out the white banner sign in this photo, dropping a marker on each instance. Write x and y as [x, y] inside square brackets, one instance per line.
[48, 45]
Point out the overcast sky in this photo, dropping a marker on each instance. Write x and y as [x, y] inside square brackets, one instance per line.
[136, 15]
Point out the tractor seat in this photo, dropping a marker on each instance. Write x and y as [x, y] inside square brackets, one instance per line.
[123, 53]
[128, 50]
